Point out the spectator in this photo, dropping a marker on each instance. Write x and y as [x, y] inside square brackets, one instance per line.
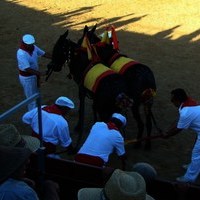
[147, 171]
[13, 183]
[55, 126]
[29, 74]
[103, 139]
[9, 136]
[189, 117]
[121, 185]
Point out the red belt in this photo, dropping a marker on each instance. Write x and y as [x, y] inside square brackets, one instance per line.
[88, 159]
[24, 73]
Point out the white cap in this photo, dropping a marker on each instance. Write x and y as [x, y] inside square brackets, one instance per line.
[120, 117]
[28, 39]
[64, 101]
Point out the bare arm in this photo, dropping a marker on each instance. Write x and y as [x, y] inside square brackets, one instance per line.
[172, 130]
[47, 55]
[35, 72]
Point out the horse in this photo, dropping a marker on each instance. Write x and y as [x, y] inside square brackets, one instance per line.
[105, 87]
[139, 78]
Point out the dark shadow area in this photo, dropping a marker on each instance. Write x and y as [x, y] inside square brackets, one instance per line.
[175, 63]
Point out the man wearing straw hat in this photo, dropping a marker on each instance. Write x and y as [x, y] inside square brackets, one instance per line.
[121, 186]
[10, 136]
[15, 150]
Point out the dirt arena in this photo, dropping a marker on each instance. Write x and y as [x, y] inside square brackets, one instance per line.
[163, 34]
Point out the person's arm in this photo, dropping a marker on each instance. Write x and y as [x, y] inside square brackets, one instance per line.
[173, 130]
[47, 55]
[34, 72]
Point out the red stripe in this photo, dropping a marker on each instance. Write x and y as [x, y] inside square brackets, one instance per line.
[104, 74]
[88, 159]
[127, 65]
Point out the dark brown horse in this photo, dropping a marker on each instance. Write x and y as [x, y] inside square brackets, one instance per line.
[139, 79]
[106, 87]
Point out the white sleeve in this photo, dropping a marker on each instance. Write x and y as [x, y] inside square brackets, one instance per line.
[119, 145]
[23, 62]
[64, 134]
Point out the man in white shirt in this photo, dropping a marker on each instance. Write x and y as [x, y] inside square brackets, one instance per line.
[189, 118]
[29, 74]
[54, 124]
[103, 139]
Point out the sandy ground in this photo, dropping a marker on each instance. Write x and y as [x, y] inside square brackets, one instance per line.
[163, 34]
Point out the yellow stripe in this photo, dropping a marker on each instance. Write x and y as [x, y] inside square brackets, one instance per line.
[119, 63]
[93, 74]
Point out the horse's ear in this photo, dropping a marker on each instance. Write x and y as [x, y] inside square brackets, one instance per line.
[66, 34]
[94, 28]
[85, 30]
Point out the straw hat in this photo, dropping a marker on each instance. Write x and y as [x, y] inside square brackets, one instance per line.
[121, 186]
[11, 158]
[9, 136]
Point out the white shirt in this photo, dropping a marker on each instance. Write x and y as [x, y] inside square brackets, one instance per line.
[54, 127]
[189, 118]
[102, 141]
[25, 60]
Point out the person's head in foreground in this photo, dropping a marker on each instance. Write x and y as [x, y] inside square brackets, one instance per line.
[147, 171]
[121, 186]
[10, 137]
[13, 162]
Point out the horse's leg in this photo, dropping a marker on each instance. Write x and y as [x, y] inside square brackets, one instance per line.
[147, 110]
[140, 124]
[94, 108]
[80, 124]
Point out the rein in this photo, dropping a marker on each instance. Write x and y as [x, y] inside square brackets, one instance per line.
[143, 139]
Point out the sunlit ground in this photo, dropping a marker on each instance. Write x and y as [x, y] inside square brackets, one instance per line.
[142, 16]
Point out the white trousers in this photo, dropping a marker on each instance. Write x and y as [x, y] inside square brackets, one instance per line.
[29, 84]
[194, 167]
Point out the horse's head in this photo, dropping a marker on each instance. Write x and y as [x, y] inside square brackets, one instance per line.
[60, 53]
[91, 35]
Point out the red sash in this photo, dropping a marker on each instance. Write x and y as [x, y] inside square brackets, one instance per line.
[90, 160]
[29, 49]
[189, 102]
[111, 125]
[53, 109]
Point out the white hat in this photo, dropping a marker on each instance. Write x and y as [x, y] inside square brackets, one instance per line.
[120, 117]
[28, 39]
[10, 137]
[64, 101]
[121, 186]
